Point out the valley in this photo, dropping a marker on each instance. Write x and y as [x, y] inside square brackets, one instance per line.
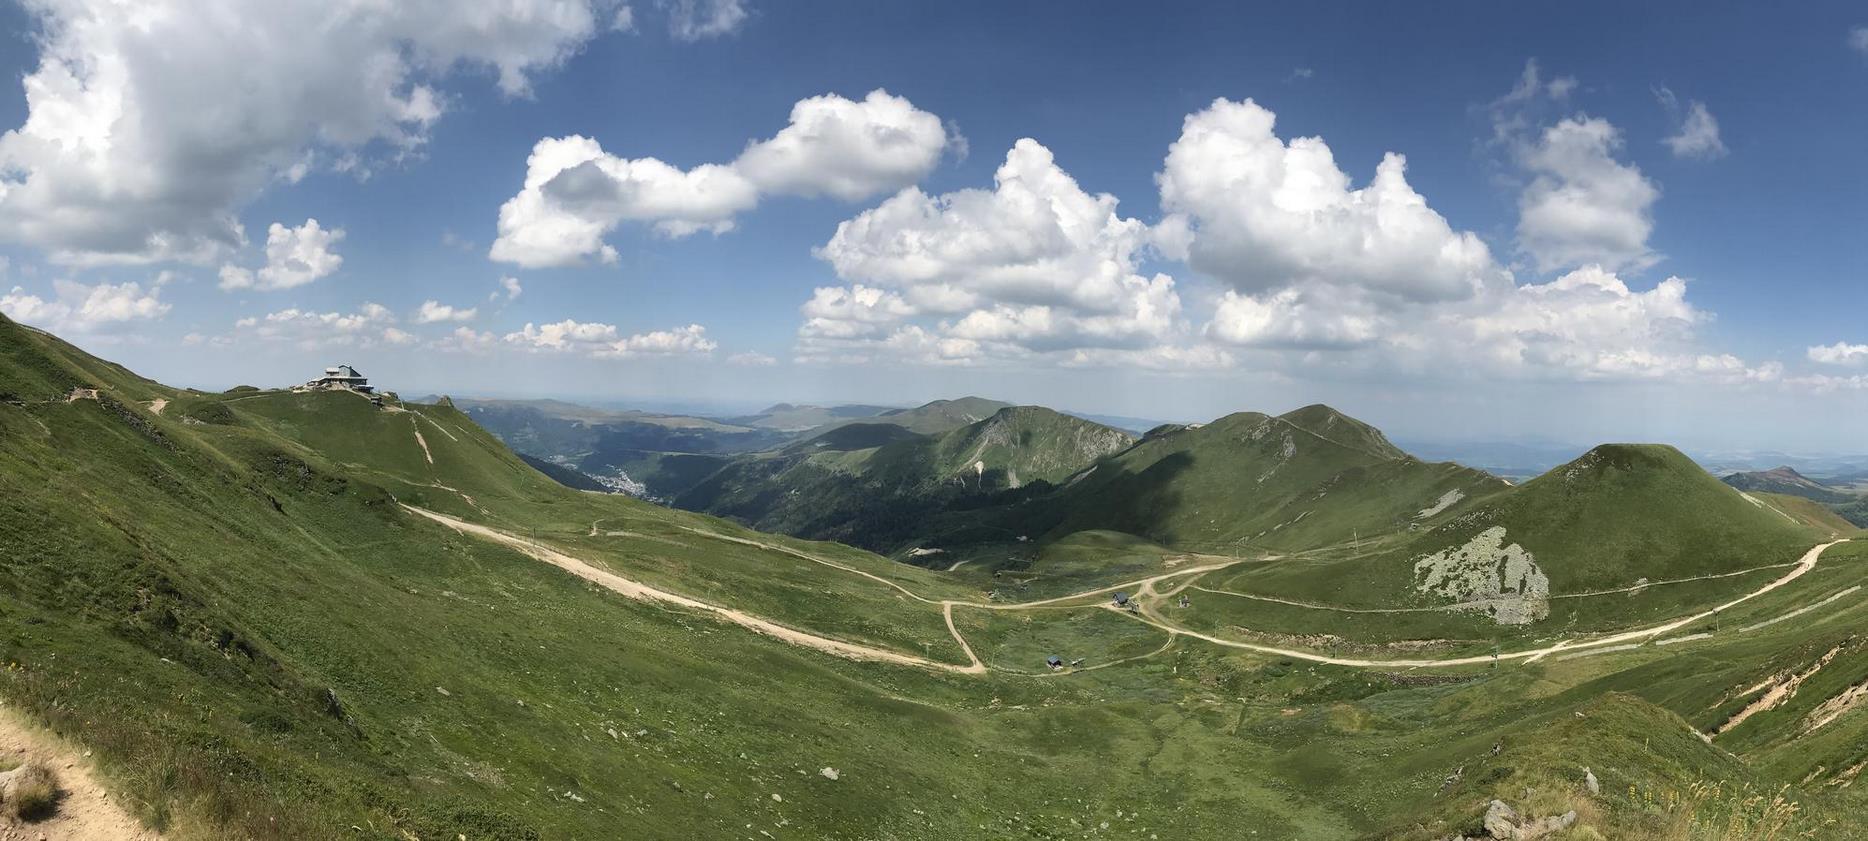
[331, 614]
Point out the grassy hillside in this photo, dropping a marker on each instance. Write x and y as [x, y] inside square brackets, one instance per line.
[1310, 478]
[878, 484]
[222, 597]
[1617, 520]
[942, 415]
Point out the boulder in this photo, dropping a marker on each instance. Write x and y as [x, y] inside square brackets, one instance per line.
[1505, 824]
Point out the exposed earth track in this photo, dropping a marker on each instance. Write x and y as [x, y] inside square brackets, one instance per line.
[86, 811]
[637, 590]
[1142, 588]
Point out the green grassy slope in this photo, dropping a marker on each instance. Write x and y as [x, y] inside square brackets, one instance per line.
[941, 415]
[878, 484]
[1626, 511]
[1620, 516]
[1309, 478]
[225, 602]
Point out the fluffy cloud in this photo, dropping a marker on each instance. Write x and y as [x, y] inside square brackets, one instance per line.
[148, 127]
[848, 150]
[575, 193]
[1582, 205]
[370, 325]
[852, 312]
[1587, 323]
[467, 340]
[1858, 39]
[1840, 353]
[1579, 205]
[510, 285]
[1372, 278]
[1261, 214]
[434, 312]
[1034, 266]
[1289, 319]
[81, 308]
[604, 340]
[294, 257]
[1698, 137]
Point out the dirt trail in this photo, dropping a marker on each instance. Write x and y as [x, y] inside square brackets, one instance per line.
[1805, 565]
[1454, 608]
[1142, 588]
[637, 590]
[416, 425]
[86, 812]
[786, 550]
[433, 423]
[157, 405]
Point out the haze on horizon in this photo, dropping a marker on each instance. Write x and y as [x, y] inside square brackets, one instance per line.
[1462, 221]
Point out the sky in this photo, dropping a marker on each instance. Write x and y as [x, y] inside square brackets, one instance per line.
[1453, 220]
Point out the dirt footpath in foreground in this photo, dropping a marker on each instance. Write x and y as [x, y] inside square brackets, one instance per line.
[86, 812]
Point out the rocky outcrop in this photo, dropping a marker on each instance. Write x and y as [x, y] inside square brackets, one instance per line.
[1487, 574]
[1503, 823]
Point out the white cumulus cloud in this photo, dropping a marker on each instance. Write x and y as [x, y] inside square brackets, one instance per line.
[605, 340]
[850, 150]
[83, 308]
[1579, 205]
[370, 325]
[433, 312]
[1582, 206]
[575, 193]
[1248, 208]
[149, 125]
[294, 257]
[1035, 265]
[1840, 353]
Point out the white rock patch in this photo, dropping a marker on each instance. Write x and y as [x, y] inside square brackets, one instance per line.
[1487, 575]
[1446, 501]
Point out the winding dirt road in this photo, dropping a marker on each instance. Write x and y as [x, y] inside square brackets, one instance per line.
[637, 590]
[1807, 563]
[1143, 588]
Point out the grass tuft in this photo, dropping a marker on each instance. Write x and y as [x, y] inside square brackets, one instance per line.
[31, 792]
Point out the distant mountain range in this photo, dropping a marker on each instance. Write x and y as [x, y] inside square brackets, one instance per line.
[1845, 497]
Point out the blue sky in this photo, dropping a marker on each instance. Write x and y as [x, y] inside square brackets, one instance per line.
[1279, 293]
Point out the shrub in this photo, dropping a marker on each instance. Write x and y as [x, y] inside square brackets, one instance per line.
[33, 793]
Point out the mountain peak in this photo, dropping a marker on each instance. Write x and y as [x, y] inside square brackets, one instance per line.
[1326, 422]
[1625, 456]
